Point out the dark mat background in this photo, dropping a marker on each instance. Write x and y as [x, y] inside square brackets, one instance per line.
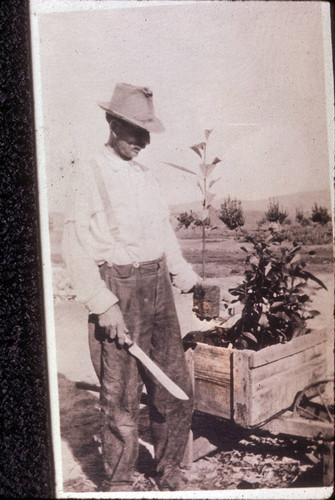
[26, 465]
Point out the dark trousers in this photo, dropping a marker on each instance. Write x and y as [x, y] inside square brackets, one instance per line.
[146, 301]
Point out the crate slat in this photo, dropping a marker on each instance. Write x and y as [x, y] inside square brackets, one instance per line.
[212, 380]
[241, 388]
[213, 399]
[279, 351]
[287, 366]
[272, 394]
[249, 387]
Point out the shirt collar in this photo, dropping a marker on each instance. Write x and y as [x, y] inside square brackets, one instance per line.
[116, 163]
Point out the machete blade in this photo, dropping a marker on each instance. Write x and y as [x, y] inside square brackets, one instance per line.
[162, 378]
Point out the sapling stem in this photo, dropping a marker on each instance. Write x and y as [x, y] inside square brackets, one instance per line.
[204, 220]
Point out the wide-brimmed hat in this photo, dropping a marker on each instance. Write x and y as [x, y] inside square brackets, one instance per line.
[133, 105]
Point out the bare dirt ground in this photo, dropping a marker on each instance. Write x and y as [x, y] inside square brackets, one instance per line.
[239, 460]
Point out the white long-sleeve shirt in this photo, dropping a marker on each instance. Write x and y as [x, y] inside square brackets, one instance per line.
[116, 215]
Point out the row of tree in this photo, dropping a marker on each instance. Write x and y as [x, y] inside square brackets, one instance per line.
[231, 214]
[277, 214]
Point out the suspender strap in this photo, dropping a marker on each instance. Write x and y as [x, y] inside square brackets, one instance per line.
[106, 203]
[103, 191]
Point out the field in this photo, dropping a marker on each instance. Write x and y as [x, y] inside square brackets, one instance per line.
[239, 460]
[224, 256]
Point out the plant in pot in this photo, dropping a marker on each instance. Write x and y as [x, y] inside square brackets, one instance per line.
[206, 296]
[273, 296]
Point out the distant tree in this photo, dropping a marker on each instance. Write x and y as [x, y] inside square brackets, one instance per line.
[191, 219]
[301, 218]
[206, 223]
[185, 219]
[320, 215]
[261, 222]
[231, 213]
[276, 214]
[299, 215]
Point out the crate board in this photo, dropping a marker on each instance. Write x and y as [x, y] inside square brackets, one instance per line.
[250, 387]
[212, 379]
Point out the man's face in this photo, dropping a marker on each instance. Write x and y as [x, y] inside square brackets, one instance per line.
[129, 140]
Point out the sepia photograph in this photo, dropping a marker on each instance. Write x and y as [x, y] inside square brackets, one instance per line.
[185, 171]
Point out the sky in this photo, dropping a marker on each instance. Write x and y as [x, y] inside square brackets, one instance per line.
[251, 71]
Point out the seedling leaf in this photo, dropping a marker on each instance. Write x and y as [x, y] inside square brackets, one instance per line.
[210, 168]
[314, 313]
[204, 214]
[306, 274]
[209, 198]
[200, 187]
[196, 150]
[214, 182]
[179, 167]
[250, 336]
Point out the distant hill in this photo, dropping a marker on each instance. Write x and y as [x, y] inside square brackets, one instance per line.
[253, 210]
[291, 202]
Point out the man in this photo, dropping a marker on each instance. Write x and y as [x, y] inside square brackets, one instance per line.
[122, 254]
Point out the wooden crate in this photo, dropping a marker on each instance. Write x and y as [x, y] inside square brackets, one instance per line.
[249, 387]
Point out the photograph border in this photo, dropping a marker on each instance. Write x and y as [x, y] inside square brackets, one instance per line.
[35, 7]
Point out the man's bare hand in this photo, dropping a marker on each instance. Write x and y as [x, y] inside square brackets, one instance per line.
[113, 321]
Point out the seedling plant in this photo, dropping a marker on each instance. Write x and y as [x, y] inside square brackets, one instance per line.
[204, 183]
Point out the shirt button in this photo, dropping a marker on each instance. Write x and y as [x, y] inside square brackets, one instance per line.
[136, 264]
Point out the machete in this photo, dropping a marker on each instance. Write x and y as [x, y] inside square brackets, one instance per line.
[166, 382]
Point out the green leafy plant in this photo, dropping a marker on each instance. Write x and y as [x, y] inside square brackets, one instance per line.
[231, 213]
[273, 295]
[204, 183]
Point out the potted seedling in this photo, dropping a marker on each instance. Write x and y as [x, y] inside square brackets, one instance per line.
[206, 296]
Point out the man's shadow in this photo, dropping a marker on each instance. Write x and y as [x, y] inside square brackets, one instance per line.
[80, 427]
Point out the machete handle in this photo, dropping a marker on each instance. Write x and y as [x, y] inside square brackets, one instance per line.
[127, 340]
